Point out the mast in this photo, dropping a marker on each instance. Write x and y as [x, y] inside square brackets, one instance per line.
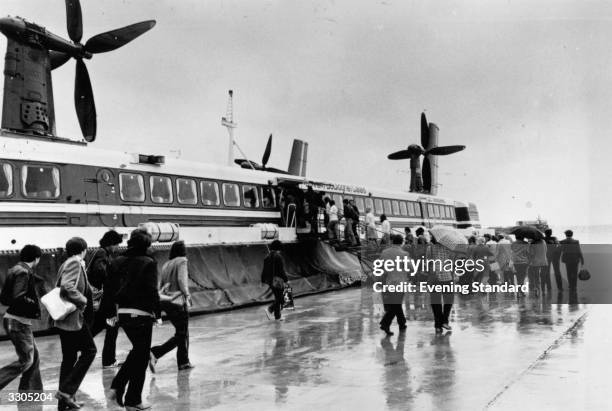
[228, 122]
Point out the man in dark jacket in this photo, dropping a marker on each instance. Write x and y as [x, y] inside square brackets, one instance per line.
[552, 256]
[20, 293]
[571, 256]
[98, 265]
[133, 280]
[273, 275]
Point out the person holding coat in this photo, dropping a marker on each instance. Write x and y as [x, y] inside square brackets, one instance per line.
[74, 332]
[175, 301]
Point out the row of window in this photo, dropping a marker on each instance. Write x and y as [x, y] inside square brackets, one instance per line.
[132, 188]
[36, 181]
[379, 206]
[441, 211]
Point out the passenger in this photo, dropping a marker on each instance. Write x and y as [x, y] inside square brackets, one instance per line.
[571, 256]
[504, 259]
[175, 301]
[370, 221]
[314, 202]
[274, 276]
[20, 295]
[393, 300]
[441, 302]
[74, 332]
[385, 226]
[356, 222]
[333, 220]
[408, 237]
[520, 259]
[481, 252]
[420, 233]
[133, 281]
[97, 272]
[553, 254]
[349, 220]
[538, 267]
[326, 204]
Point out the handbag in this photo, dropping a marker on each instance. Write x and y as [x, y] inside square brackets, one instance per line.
[584, 274]
[57, 307]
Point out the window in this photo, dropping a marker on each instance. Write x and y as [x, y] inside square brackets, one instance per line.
[186, 192]
[267, 197]
[231, 195]
[131, 187]
[338, 200]
[452, 211]
[437, 211]
[411, 211]
[387, 206]
[369, 203]
[161, 189]
[360, 204]
[417, 209]
[378, 204]
[40, 181]
[395, 206]
[210, 193]
[6, 179]
[430, 211]
[249, 196]
[403, 209]
[448, 213]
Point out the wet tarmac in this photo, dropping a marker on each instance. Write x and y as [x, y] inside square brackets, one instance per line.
[331, 354]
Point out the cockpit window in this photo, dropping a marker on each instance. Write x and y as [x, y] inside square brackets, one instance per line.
[161, 189]
[131, 187]
[6, 180]
[40, 181]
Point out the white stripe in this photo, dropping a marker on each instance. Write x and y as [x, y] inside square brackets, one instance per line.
[10, 206]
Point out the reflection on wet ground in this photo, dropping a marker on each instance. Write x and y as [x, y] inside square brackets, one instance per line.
[330, 353]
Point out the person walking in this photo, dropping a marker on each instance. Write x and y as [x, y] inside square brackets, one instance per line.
[98, 265]
[538, 267]
[349, 220]
[133, 282]
[441, 302]
[393, 301]
[274, 276]
[520, 259]
[175, 301]
[356, 221]
[504, 259]
[553, 257]
[571, 256]
[370, 221]
[333, 221]
[74, 332]
[20, 294]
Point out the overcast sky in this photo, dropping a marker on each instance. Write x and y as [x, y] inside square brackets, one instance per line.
[525, 85]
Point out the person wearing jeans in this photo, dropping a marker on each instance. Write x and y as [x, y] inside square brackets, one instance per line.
[20, 293]
[133, 281]
[75, 335]
[175, 302]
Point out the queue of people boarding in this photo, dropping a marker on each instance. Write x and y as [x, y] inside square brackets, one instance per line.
[504, 261]
[100, 290]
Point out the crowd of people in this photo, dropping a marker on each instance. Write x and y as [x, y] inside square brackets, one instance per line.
[107, 292]
[504, 261]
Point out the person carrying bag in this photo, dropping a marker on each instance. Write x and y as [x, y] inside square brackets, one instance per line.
[273, 275]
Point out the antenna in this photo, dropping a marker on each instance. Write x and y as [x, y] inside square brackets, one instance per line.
[228, 122]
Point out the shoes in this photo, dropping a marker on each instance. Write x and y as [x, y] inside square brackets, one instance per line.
[280, 319]
[116, 395]
[139, 407]
[268, 313]
[386, 330]
[187, 366]
[446, 326]
[66, 402]
[116, 364]
[152, 362]
[438, 330]
[403, 328]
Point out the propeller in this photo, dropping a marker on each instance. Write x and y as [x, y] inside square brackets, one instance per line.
[267, 151]
[245, 163]
[101, 43]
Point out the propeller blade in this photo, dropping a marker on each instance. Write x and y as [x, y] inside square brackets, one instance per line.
[244, 163]
[74, 20]
[444, 150]
[426, 173]
[276, 170]
[267, 151]
[399, 155]
[84, 102]
[424, 132]
[114, 39]
[57, 58]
